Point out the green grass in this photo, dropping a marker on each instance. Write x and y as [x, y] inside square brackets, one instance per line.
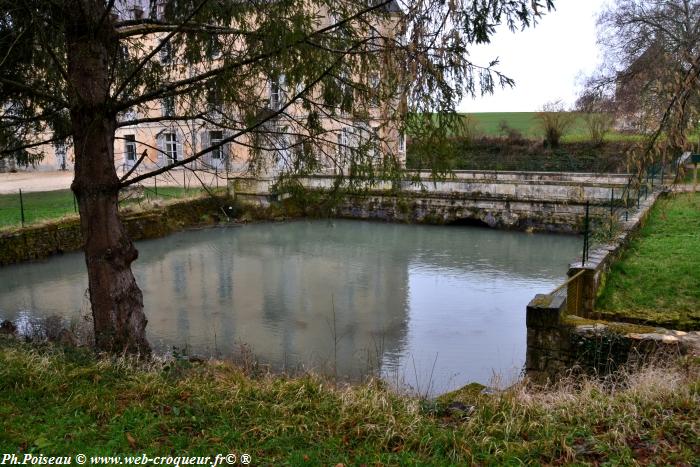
[658, 279]
[487, 123]
[38, 206]
[65, 402]
[51, 205]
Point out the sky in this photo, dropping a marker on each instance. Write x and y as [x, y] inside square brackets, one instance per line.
[546, 62]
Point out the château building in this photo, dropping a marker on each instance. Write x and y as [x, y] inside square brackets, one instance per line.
[271, 150]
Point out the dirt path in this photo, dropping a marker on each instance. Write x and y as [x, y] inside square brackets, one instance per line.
[61, 180]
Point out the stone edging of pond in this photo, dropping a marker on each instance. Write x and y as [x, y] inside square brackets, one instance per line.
[62, 236]
[562, 334]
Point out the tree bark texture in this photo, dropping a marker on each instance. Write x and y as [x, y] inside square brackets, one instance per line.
[116, 300]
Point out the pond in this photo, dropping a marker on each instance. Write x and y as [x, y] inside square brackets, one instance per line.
[428, 307]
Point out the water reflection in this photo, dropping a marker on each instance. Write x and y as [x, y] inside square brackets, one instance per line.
[434, 307]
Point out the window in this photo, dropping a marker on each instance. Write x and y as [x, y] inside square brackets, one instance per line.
[130, 147]
[136, 11]
[346, 92]
[276, 91]
[166, 53]
[214, 100]
[60, 151]
[343, 142]
[13, 109]
[402, 142]
[128, 115]
[170, 146]
[160, 10]
[214, 47]
[168, 106]
[375, 40]
[334, 19]
[374, 89]
[374, 144]
[215, 138]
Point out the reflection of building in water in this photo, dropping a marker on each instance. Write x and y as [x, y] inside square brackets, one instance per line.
[294, 296]
[55, 287]
[322, 293]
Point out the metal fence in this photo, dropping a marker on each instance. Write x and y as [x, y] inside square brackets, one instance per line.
[22, 208]
[603, 222]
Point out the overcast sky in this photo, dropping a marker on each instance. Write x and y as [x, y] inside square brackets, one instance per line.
[546, 61]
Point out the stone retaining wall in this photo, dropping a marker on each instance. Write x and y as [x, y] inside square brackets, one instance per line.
[558, 343]
[553, 202]
[64, 236]
[583, 292]
[562, 336]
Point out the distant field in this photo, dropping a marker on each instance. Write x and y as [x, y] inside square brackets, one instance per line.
[487, 124]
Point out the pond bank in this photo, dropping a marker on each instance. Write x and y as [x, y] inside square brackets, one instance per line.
[157, 220]
[121, 408]
[657, 281]
[648, 273]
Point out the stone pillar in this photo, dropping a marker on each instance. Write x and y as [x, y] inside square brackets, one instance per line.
[547, 338]
[581, 292]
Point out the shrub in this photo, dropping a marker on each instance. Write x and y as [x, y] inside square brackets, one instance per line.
[554, 120]
[598, 125]
[510, 133]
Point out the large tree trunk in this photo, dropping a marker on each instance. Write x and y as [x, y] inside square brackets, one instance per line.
[117, 301]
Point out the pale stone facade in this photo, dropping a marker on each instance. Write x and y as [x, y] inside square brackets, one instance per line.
[166, 142]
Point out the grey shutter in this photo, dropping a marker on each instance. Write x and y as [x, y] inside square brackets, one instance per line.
[206, 142]
[179, 137]
[160, 143]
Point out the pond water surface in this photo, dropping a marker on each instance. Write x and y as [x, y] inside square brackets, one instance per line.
[430, 307]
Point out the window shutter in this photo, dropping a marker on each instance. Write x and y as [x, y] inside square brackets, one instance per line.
[178, 145]
[206, 142]
[283, 88]
[269, 91]
[226, 149]
[160, 143]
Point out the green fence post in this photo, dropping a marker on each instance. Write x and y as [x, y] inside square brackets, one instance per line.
[21, 207]
[612, 201]
[584, 255]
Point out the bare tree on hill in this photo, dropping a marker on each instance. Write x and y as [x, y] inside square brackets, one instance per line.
[650, 72]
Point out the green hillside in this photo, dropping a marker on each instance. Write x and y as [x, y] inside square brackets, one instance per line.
[525, 122]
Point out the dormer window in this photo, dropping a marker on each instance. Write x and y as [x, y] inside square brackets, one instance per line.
[160, 10]
[136, 12]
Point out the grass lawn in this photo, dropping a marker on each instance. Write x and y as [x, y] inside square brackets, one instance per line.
[658, 279]
[50, 205]
[487, 123]
[38, 206]
[66, 402]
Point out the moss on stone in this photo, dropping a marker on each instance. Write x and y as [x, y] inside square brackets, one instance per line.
[613, 326]
[466, 394]
[541, 301]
